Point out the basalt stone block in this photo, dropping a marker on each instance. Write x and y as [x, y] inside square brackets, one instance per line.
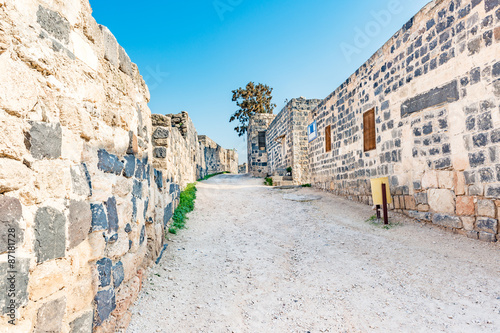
[11, 213]
[477, 159]
[80, 222]
[125, 62]
[134, 209]
[118, 274]
[487, 225]
[128, 228]
[146, 206]
[160, 152]
[111, 239]
[161, 133]
[21, 267]
[112, 214]
[143, 235]
[80, 179]
[447, 221]
[52, 22]
[148, 174]
[104, 266]
[50, 316]
[99, 217]
[137, 189]
[45, 140]
[487, 237]
[493, 191]
[139, 170]
[421, 198]
[445, 94]
[491, 4]
[129, 169]
[167, 214]
[50, 234]
[159, 179]
[82, 324]
[421, 216]
[109, 163]
[105, 303]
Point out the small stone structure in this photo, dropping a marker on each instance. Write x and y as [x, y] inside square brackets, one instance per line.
[287, 141]
[88, 185]
[242, 169]
[256, 144]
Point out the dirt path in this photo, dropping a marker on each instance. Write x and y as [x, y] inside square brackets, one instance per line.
[253, 261]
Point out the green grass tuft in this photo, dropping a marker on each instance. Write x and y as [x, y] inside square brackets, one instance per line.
[268, 181]
[212, 175]
[186, 205]
[306, 185]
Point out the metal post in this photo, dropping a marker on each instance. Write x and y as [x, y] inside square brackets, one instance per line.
[384, 203]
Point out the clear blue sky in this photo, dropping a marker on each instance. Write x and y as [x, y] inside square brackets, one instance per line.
[193, 53]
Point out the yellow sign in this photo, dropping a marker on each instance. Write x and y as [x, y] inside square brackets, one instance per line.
[377, 190]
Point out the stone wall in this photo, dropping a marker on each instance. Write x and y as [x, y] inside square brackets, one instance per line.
[242, 168]
[84, 201]
[287, 141]
[257, 156]
[218, 159]
[435, 88]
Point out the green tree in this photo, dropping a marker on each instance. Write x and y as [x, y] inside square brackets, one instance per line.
[251, 100]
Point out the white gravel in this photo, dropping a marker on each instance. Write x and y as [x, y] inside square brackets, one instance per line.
[252, 261]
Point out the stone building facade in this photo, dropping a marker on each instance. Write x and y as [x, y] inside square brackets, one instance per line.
[86, 191]
[256, 142]
[433, 91]
[287, 141]
[218, 159]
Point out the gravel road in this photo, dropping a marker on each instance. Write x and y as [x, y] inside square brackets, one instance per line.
[259, 259]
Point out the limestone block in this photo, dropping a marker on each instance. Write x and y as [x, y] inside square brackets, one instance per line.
[476, 189]
[71, 146]
[19, 90]
[50, 233]
[127, 294]
[102, 186]
[110, 46]
[133, 147]
[53, 179]
[459, 183]
[50, 316]
[97, 245]
[12, 139]
[442, 201]
[82, 324]
[161, 120]
[465, 206]
[446, 179]
[13, 175]
[83, 51]
[49, 277]
[486, 208]
[131, 261]
[124, 320]
[119, 247]
[80, 222]
[447, 221]
[121, 141]
[487, 225]
[125, 63]
[468, 222]
[11, 213]
[430, 180]
[45, 140]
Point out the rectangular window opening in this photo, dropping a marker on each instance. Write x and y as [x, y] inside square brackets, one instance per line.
[328, 138]
[369, 133]
[262, 140]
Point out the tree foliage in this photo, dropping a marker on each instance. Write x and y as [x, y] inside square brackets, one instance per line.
[251, 100]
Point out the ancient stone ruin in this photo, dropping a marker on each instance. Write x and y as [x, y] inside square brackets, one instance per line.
[423, 111]
[89, 179]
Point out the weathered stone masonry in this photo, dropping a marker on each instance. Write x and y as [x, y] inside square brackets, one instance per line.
[83, 189]
[257, 152]
[435, 89]
[287, 142]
